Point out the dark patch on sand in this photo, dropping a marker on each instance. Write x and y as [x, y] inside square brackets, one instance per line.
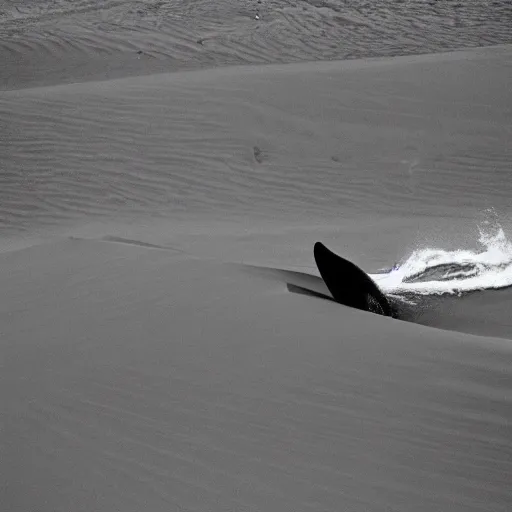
[258, 154]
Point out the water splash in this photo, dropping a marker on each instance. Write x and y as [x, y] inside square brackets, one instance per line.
[438, 272]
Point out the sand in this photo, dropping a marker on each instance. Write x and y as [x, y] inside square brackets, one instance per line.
[153, 353]
[56, 41]
[137, 379]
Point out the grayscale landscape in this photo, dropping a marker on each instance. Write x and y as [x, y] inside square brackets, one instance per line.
[166, 168]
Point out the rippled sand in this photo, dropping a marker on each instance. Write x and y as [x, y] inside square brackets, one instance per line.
[153, 353]
[45, 42]
[315, 140]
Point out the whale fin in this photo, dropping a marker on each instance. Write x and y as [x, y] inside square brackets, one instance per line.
[348, 284]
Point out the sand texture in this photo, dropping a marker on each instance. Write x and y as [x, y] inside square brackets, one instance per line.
[163, 346]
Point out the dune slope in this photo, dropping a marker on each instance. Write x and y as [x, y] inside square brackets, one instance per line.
[136, 378]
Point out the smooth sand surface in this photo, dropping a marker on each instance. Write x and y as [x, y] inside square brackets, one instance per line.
[152, 354]
[135, 379]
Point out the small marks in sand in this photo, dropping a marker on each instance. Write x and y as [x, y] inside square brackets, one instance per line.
[259, 156]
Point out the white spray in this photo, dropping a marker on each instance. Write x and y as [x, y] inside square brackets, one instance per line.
[438, 272]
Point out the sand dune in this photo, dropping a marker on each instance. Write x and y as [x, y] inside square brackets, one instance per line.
[154, 353]
[322, 141]
[45, 42]
[134, 379]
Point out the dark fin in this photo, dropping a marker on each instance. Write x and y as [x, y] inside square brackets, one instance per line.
[348, 284]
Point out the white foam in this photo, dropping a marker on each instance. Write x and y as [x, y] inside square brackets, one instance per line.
[436, 271]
